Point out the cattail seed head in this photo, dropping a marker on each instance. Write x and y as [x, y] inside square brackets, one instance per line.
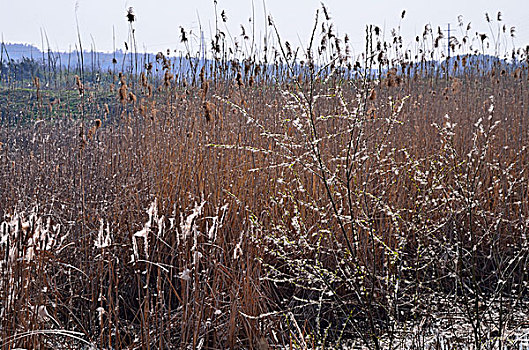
[373, 95]
[239, 79]
[149, 90]
[143, 79]
[123, 93]
[201, 75]
[80, 86]
[131, 17]
[167, 78]
[208, 110]
[132, 98]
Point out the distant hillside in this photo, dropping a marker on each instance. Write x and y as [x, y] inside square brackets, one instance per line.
[92, 60]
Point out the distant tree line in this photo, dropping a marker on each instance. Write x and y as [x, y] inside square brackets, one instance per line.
[25, 69]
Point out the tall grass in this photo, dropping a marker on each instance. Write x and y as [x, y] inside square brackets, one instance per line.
[290, 198]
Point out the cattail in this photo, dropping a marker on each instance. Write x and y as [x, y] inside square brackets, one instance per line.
[143, 79]
[149, 90]
[132, 98]
[93, 129]
[123, 93]
[436, 42]
[82, 137]
[167, 78]
[456, 86]
[245, 37]
[79, 84]
[239, 79]
[202, 74]
[122, 78]
[208, 110]
[373, 95]
[131, 17]
[183, 36]
[247, 67]
[205, 88]
[371, 112]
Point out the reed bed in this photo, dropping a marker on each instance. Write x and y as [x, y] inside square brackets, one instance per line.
[301, 202]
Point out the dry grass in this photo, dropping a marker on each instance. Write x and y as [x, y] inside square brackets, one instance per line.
[270, 206]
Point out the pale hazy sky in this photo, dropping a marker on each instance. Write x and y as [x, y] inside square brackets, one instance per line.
[159, 21]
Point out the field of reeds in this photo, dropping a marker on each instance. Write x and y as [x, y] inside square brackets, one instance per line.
[288, 199]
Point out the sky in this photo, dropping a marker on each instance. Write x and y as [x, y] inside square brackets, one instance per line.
[102, 23]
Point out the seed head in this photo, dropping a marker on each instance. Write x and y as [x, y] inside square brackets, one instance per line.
[131, 17]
